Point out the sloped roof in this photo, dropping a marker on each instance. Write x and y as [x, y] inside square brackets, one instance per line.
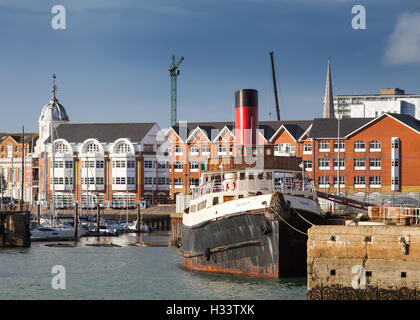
[18, 137]
[103, 132]
[328, 127]
[408, 120]
[268, 128]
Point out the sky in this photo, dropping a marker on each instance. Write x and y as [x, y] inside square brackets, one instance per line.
[112, 58]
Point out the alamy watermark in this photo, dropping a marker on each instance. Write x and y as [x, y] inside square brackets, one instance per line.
[59, 20]
[359, 20]
[58, 282]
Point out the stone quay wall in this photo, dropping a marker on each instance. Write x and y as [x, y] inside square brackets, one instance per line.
[357, 262]
[14, 229]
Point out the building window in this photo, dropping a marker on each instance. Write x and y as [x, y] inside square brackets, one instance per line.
[194, 166]
[178, 149]
[284, 149]
[99, 180]
[118, 164]
[359, 164]
[375, 163]
[162, 181]
[374, 146]
[307, 148]
[342, 163]
[359, 146]
[178, 166]
[375, 182]
[148, 164]
[194, 150]
[131, 164]
[92, 148]
[342, 145]
[131, 180]
[148, 180]
[341, 180]
[323, 181]
[61, 148]
[148, 148]
[205, 150]
[58, 164]
[16, 149]
[69, 164]
[324, 164]
[123, 148]
[178, 182]
[359, 182]
[395, 144]
[118, 180]
[307, 165]
[324, 146]
[395, 163]
[194, 182]
[161, 165]
[221, 149]
[161, 198]
[395, 180]
[99, 164]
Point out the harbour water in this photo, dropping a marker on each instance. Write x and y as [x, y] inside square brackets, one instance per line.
[127, 272]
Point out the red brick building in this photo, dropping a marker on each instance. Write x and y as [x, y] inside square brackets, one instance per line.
[376, 154]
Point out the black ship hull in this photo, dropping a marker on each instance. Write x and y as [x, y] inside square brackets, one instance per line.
[251, 243]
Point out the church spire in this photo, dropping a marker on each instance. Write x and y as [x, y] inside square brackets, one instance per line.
[328, 98]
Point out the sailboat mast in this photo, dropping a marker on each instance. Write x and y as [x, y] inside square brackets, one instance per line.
[52, 155]
[22, 184]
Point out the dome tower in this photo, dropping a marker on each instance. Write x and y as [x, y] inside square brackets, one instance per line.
[59, 116]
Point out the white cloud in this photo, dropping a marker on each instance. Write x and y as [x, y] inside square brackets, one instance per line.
[403, 47]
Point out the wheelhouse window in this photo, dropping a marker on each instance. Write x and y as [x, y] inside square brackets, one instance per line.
[287, 149]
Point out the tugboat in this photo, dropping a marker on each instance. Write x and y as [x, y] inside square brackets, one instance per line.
[251, 211]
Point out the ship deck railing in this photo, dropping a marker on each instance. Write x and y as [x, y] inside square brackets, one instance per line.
[248, 187]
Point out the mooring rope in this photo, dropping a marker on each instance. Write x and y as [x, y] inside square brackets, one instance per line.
[291, 225]
[302, 217]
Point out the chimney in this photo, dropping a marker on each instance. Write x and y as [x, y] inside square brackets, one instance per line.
[246, 116]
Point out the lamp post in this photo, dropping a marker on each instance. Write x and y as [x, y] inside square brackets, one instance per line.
[338, 168]
[325, 183]
[302, 165]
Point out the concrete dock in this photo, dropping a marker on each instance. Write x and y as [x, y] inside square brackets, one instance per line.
[363, 262]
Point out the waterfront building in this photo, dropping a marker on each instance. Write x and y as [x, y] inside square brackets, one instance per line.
[391, 100]
[112, 164]
[377, 155]
[11, 166]
[373, 155]
[192, 143]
